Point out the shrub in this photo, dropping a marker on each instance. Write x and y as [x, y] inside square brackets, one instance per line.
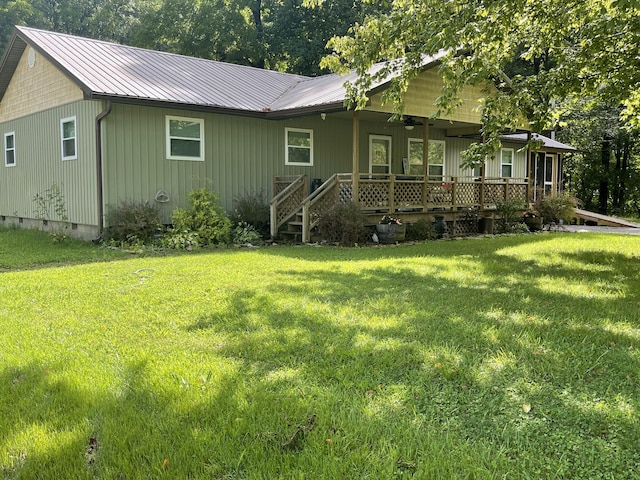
[132, 222]
[204, 217]
[253, 209]
[555, 207]
[53, 199]
[343, 224]
[509, 213]
[520, 228]
[421, 230]
[245, 233]
[180, 240]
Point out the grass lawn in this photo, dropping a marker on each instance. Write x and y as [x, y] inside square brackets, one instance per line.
[507, 357]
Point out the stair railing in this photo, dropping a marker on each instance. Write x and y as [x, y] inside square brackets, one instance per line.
[317, 203]
[287, 203]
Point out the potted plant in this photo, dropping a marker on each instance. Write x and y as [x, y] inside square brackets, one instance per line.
[532, 220]
[390, 229]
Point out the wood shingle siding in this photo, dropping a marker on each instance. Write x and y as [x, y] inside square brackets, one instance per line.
[37, 88]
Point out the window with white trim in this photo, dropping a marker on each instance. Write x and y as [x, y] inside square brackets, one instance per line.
[299, 147]
[436, 158]
[10, 149]
[506, 162]
[68, 138]
[185, 138]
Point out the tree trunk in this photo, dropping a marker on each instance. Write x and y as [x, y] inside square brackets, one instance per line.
[605, 159]
[256, 10]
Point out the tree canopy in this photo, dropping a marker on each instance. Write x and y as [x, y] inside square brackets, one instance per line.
[542, 55]
[285, 35]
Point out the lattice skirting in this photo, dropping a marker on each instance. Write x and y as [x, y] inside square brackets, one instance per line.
[463, 228]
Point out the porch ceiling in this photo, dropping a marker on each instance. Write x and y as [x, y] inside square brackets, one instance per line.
[370, 116]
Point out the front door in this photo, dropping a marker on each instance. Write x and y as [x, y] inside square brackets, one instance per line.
[543, 174]
[379, 154]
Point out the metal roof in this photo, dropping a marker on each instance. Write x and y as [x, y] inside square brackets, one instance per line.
[107, 70]
[135, 75]
[547, 143]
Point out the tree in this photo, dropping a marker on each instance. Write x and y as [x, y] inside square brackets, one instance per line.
[575, 49]
[212, 29]
[298, 32]
[285, 35]
[102, 19]
[605, 174]
[12, 12]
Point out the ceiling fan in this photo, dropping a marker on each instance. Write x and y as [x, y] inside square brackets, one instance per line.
[410, 123]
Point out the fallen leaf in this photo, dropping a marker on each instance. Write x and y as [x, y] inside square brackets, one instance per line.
[165, 464]
[526, 408]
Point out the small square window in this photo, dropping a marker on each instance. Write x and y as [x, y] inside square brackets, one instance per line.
[10, 149]
[299, 147]
[185, 138]
[68, 138]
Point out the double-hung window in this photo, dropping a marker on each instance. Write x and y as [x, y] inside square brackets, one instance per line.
[506, 162]
[68, 138]
[436, 158]
[299, 149]
[185, 138]
[10, 149]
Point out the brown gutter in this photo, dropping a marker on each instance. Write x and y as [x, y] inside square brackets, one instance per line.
[99, 176]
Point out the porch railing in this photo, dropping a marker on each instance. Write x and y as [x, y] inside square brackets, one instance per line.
[392, 193]
[388, 193]
[289, 193]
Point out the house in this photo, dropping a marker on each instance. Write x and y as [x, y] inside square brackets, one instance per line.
[108, 123]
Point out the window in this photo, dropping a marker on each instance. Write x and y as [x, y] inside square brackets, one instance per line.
[415, 156]
[68, 138]
[10, 149]
[379, 154]
[436, 158]
[299, 147]
[185, 138]
[506, 160]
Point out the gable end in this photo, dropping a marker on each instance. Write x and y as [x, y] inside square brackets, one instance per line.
[36, 84]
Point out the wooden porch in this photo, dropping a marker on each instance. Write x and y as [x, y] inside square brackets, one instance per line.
[458, 199]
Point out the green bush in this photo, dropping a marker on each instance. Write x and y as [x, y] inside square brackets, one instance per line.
[245, 233]
[343, 224]
[180, 240]
[421, 230]
[204, 217]
[555, 207]
[509, 213]
[132, 222]
[253, 209]
[520, 228]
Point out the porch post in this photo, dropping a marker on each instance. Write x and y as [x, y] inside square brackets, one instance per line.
[425, 162]
[531, 158]
[482, 180]
[355, 168]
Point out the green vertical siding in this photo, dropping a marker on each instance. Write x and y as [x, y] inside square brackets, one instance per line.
[242, 154]
[39, 164]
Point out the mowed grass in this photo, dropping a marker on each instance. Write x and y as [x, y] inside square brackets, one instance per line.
[508, 357]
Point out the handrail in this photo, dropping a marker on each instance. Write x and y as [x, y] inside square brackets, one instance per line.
[312, 199]
[390, 192]
[277, 202]
[288, 189]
